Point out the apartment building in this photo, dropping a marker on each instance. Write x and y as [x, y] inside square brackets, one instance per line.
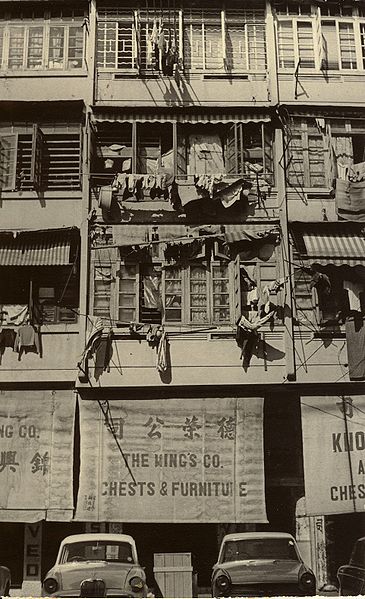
[181, 263]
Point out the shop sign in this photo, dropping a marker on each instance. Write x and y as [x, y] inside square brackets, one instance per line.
[36, 455]
[188, 460]
[334, 454]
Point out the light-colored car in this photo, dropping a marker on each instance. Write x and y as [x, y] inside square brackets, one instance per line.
[5, 581]
[96, 565]
[261, 564]
[352, 576]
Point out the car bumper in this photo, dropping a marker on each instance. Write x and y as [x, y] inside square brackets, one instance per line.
[264, 590]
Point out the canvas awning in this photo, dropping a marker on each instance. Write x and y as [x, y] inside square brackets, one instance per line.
[341, 249]
[113, 115]
[38, 248]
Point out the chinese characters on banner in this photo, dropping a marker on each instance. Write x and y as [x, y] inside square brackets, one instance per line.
[192, 460]
[334, 454]
[36, 455]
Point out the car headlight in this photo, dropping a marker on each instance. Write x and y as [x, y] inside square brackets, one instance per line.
[308, 581]
[50, 585]
[222, 582]
[136, 583]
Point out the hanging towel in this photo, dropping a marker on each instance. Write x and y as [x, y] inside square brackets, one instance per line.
[27, 337]
[152, 291]
[162, 361]
[355, 338]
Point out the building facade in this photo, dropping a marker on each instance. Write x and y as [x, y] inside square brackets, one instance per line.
[182, 272]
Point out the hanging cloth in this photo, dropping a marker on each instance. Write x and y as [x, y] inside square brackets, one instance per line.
[162, 353]
[355, 338]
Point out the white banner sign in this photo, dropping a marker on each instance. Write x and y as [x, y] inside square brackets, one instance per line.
[36, 455]
[190, 460]
[334, 454]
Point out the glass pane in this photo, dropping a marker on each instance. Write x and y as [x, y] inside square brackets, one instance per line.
[16, 48]
[220, 286]
[126, 300]
[198, 300]
[35, 48]
[127, 285]
[127, 271]
[221, 314]
[101, 302]
[220, 300]
[75, 47]
[127, 315]
[198, 315]
[286, 45]
[173, 286]
[172, 314]
[213, 47]
[56, 48]
[220, 271]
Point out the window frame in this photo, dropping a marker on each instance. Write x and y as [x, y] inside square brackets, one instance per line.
[184, 25]
[317, 19]
[45, 24]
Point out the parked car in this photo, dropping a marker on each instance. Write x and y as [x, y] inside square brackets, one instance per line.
[352, 576]
[96, 565]
[5, 581]
[261, 564]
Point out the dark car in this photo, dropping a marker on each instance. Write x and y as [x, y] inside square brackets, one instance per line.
[255, 564]
[352, 576]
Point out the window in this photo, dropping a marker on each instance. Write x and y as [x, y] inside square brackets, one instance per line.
[52, 291]
[41, 159]
[35, 40]
[321, 304]
[307, 157]
[320, 41]
[213, 40]
[200, 149]
[199, 292]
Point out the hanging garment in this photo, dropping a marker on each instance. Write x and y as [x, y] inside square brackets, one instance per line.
[355, 339]
[162, 353]
[7, 339]
[350, 199]
[205, 155]
[15, 314]
[103, 353]
[254, 322]
[354, 290]
[152, 291]
[321, 282]
[27, 337]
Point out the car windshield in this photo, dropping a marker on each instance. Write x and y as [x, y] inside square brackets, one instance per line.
[110, 551]
[282, 549]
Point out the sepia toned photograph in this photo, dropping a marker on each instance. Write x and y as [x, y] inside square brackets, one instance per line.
[182, 298]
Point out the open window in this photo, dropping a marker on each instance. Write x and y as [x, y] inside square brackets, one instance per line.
[50, 293]
[41, 159]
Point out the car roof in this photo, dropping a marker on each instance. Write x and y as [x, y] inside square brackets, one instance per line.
[100, 536]
[239, 536]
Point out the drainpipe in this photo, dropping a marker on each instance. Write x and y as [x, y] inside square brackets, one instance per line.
[280, 169]
[86, 202]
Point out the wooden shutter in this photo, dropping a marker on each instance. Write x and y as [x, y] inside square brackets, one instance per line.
[38, 146]
[8, 161]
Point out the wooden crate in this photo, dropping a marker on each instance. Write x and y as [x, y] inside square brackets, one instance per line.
[174, 574]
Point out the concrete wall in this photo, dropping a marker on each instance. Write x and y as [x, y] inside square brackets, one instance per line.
[336, 90]
[320, 359]
[25, 210]
[195, 360]
[43, 86]
[60, 354]
[194, 91]
[309, 207]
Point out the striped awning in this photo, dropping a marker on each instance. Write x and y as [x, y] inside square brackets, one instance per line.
[112, 115]
[250, 232]
[346, 248]
[37, 248]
